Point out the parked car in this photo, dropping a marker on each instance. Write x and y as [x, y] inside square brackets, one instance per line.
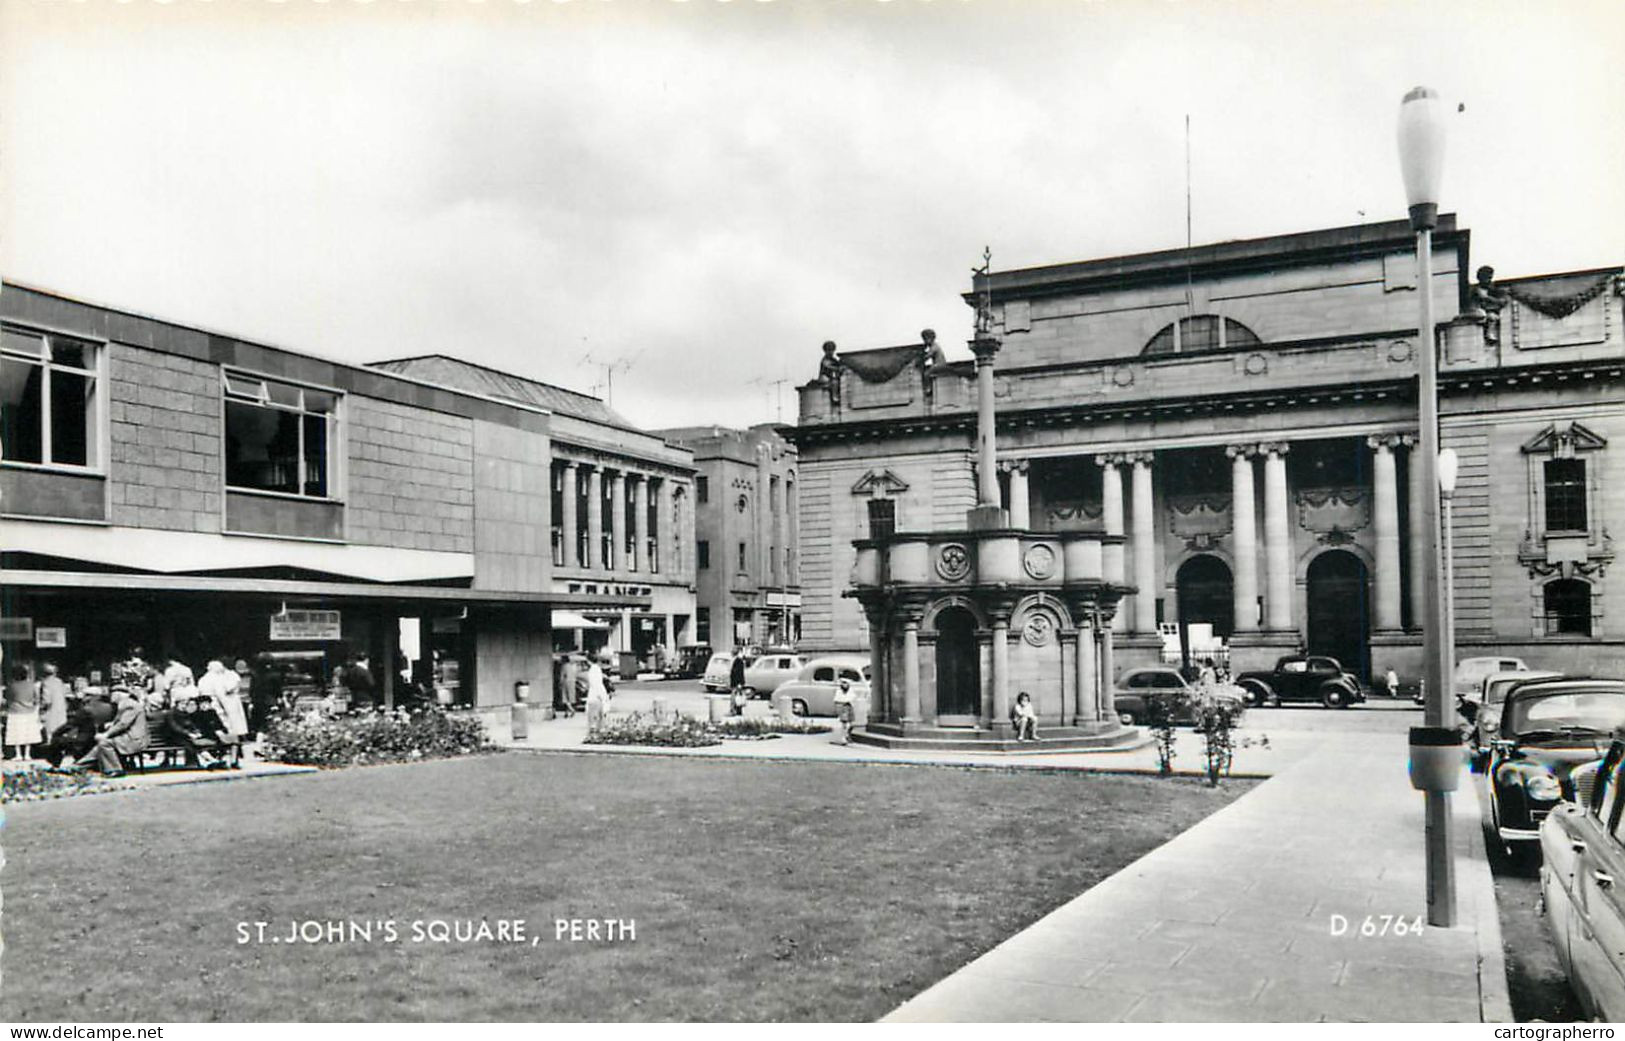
[771, 671]
[715, 677]
[1300, 677]
[1467, 683]
[812, 692]
[1486, 719]
[1580, 877]
[690, 662]
[1547, 728]
[1137, 689]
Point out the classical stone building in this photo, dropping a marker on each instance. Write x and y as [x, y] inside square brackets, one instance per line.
[1245, 414]
[745, 533]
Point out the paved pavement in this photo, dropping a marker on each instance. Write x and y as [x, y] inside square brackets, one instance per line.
[1234, 919]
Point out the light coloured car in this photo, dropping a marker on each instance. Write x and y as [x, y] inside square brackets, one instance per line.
[1468, 681]
[716, 672]
[771, 671]
[1486, 716]
[1136, 689]
[812, 693]
[1581, 878]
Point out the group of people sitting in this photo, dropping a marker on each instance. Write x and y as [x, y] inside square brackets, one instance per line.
[144, 707]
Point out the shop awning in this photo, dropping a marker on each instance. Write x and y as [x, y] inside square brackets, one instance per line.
[574, 620]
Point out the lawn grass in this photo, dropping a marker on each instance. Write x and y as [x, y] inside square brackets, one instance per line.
[760, 891]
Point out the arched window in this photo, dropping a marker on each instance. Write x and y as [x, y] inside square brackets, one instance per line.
[1568, 607]
[1201, 332]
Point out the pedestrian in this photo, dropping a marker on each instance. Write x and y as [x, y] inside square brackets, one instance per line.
[844, 711]
[597, 696]
[53, 700]
[22, 713]
[219, 688]
[1208, 677]
[736, 686]
[1391, 681]
[1024, 718]
[126, 735]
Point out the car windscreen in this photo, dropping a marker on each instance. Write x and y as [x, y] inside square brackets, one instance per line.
[1581, 713]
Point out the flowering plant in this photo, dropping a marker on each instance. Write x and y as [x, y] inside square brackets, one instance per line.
[377, 736]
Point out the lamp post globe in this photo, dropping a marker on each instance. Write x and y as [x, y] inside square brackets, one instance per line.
[1421, 153]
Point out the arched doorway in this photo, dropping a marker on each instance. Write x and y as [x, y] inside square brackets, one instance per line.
[1206, 594]
[1339, 611]
[959, 672]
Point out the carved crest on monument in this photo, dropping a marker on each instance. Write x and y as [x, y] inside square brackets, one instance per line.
[1202, 520]
[1039, 561]
[953, 562]
[1334, 513]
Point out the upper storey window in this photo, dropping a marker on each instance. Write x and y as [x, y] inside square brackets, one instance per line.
[279, 437]
[1201, 332]
[48, 404]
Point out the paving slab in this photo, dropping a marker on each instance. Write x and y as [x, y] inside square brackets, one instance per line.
[1232, 921]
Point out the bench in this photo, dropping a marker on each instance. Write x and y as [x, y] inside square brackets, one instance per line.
[166, 748]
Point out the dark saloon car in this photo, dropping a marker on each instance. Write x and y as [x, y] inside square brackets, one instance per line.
[1582, 883]
[1547, 729]
[1300, 677]
[1137, 689]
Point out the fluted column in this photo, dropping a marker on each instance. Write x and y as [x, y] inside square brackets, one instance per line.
[1001, 670]
[1108, 673]
[1277, 540]
[1020, 504]
[1385, 521]
[595, 518]
[1145, 555]
[911, 670]
[1417, 541]
[617, 524]
[987, 476]
[640, 522]
[1111, 504]
[572, 538]
[1244, 532]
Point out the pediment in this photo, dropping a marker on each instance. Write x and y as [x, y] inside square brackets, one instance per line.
[1564, 440]
[879, 483]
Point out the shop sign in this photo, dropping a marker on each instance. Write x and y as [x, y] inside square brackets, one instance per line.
[16, 628]
[51, 636]
[646, 624]
[305, 625]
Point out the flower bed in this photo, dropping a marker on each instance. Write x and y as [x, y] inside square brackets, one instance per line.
[22, 783]
[640, 728]
[757, 729]
[374, 737]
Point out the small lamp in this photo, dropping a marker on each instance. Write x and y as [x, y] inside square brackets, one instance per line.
[1421, 153]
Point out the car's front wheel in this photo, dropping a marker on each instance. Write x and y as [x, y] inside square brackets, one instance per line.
[1257, 694]
[1333, 696]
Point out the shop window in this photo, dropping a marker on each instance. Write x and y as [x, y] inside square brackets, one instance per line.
[702, 488]
[1565, 495]
[279, 437]
[1201, 332]
[1568, 607]
[702, 554]
[48, 402]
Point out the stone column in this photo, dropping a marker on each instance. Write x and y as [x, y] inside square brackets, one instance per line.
[1111, 501]
[911, 669]
[1108, 673]
[640, 523]
[595, 518]
[671, 636]
[1020, 504]
[1385, 522]
[617, 525]
[665, 542]
[1416, 543]
[572, 537]
[1244, 533]
[762, 516]
[1145, 556]
[879, 686]
[987, 476]
[1001, 671]
[1277, 540]
[1087, 702]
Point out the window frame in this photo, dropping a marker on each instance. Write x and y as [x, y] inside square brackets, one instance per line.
[98, 447]
[337, 438]
[1583, 487]
[1547, 615]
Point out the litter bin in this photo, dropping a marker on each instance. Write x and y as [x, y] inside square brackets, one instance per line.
[717, 706]
[628, 665]
[521, 721]
[782, 708]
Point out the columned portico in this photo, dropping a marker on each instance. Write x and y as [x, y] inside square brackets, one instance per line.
[1277, 540]
[1111, 518]
[571, 526]
[595, 519]
[616, 528]
[640, 523]
[1245, 537]
[1145, 551]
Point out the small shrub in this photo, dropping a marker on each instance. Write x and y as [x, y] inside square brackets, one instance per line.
[1216, 721]
[1159, 717]
[759, 729]
[23, 783]
[641, 728]
[374, 737]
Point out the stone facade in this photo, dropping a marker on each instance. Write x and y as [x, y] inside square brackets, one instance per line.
[411, 479]
[165, 440]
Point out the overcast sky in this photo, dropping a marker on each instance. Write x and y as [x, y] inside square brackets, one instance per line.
[704, 192]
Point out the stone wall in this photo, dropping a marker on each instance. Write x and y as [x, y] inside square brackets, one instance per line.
[411, 479]
[512, 506]
[165, 469]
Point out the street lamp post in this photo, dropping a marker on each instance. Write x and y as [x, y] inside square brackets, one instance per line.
[1448, 465]
[1435, 746]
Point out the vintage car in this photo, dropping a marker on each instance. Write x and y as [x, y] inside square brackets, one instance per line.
[717, 670]
[1300, 677]
[1581, 880]
[1136, 690]
[1486, 717]
[771, 671]
[812, 693]
[1547, 728]
[690, 662]
[1467, 682]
